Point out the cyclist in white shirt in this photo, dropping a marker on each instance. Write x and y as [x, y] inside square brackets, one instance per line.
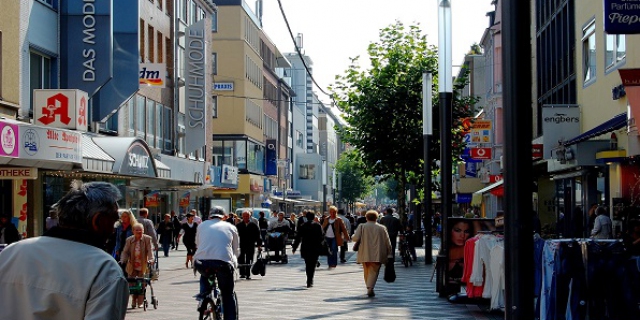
[218, 249]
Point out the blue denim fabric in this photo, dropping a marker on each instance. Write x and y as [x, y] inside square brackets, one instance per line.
[570, 282]
[605, 264]
[538, 247]
[224, 277]
[547, 295]
[332, 259]
[166, 245]
[630, 289]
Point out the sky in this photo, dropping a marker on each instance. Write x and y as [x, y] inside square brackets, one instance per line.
[336, 30]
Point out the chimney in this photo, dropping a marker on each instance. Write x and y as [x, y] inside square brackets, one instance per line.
[299, 41]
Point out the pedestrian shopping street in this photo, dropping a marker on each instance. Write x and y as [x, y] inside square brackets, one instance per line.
[336, 294]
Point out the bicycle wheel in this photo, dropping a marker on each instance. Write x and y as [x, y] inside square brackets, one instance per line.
[206, 310]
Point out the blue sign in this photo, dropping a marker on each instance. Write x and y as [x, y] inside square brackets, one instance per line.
[466, 156]
[622, 16]
[463, 197]
[86, 59]
[125, 80]
[223, 86]
[470, 169]
[271, 161]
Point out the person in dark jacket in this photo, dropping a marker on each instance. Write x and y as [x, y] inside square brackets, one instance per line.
[165, 232]
[188, 229]
[177, 226]
[249, 234]
[8, 232]
[393, 227]
[263, 224]
[310, 234]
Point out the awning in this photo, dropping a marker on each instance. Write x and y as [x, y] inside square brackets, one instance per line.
[162, 169]
[612, 124]
[489, 187]
[94, 159]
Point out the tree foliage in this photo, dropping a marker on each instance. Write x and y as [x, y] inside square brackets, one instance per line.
[382, 105]
[355, 184]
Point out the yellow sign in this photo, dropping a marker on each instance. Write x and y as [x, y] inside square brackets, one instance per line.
[11, 173]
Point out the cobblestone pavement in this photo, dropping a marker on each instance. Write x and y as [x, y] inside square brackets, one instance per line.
[337, 294]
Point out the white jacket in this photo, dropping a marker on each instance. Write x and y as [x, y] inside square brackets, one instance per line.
[52, 278]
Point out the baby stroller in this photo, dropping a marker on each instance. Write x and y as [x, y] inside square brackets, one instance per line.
[277, 242]
[138, 286]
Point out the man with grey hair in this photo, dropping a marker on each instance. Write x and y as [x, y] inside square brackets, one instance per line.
[74, 277]
[149, 229]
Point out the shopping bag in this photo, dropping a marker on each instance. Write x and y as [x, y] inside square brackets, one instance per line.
[325, 250]
[260, 266]
[389, 271]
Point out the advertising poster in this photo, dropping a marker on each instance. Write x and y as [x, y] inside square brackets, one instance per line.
[459, 231]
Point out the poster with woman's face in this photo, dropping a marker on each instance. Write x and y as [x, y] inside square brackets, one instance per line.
[461, 230]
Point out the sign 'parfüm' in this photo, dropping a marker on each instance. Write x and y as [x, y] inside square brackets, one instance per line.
[622, 16]
[196, 98]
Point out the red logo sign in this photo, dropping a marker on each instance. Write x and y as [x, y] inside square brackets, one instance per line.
[495, 178]
[57, 104]
[82, 113]
[480, 153]
[536, 151]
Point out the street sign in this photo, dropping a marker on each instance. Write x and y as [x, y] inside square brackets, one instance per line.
[282, 163]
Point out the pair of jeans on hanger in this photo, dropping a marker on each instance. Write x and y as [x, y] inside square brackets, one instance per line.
[606, 280]
[563, 280]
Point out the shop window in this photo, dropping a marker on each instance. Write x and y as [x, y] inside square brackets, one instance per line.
[307, 172]
[214, 106]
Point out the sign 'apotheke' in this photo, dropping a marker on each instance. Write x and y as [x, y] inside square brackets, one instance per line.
[61, 108]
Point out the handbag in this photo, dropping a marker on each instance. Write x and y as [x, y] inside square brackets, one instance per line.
[389, 271]
[260, 266]
[356, 245]
[325, 250]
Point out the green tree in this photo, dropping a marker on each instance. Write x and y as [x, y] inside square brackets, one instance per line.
[382, 105]
[355, 183]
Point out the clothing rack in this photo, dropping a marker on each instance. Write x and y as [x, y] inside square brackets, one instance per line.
[586, 240]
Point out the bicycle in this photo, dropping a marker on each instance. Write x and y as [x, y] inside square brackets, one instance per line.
[210, 306]
[405, 252]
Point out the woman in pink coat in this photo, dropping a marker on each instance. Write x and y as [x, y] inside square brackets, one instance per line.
[137, 253]
[375, 248]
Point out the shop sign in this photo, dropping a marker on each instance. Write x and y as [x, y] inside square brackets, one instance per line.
[271, 161]
[11, 173]
[152, 75]
[8, 140]
[536, 151]
[152, 199]
[61, 108]
[495, 178]
[196, 96]
[229, 175]
[481, 131]
[39, 143]
[621, 16]
[137, 161]
[223, 86]
[559, 123]
[86, 31]
[184, 200]
[470, 169]
[256, 186]
[463, 197]
[480, 153]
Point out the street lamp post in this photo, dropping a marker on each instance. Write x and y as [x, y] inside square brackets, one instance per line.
[445, 89]
[427, 131]
[324, 186]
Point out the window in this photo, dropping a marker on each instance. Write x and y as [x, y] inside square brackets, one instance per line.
[615, 51]
[255, 157]
[214, 21]
[131, 106]
[159, 125]
[181, 134]
[152, 44]
[214, 106]
[589, 52]
[160, 47]
[299, 139]
[39, 73]
[140, 105]
[142, 42]
[182, 10]
[307, 172]
[160, 4]
[167, 127]
[214, 62]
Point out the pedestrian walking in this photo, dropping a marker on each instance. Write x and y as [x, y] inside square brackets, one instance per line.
[177, 226]
[82, 281]
[393, 227]
[123, 231]
[335, 233]
[345, 241]
[149, 229]
[310, 235]
[375, 249]
[602, 225]
[8, 232]
[249, 234]
[52, 219]
[136, 256]
[165, 231]
[188, 230]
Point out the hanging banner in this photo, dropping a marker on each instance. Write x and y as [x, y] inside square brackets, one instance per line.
[152, 199]
[184, 200]
[195, 89]
[559, 123]
[271, 161]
